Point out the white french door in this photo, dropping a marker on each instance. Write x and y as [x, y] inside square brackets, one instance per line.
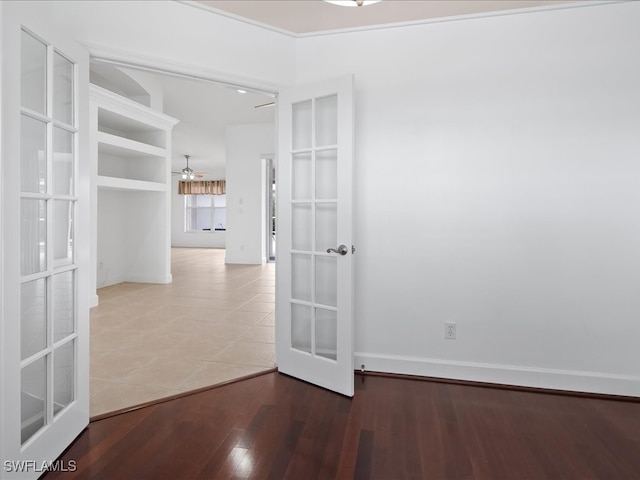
[314, 294]
[44, 374]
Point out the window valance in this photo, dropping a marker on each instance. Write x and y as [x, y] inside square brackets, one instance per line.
[202, 187]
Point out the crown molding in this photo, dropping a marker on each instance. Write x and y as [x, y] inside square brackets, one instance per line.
[411, 23]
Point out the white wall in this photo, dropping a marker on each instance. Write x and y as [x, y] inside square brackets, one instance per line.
[246, 186]
[497, 186]
[111, 252]
[130, 215]
[180, 238]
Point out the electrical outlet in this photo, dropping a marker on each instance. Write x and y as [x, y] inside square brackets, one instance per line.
[450, 330]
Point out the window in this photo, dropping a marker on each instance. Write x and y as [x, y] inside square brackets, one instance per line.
[205, 213]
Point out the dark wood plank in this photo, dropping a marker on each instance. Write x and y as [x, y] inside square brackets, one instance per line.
[274, 426]
[364, 461]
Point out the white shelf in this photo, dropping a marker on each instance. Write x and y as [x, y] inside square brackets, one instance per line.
[115, 183]
[131, 201]
[120, 146]
[123, 113]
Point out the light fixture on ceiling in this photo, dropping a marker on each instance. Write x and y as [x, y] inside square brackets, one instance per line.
[187, 173]
[352, 3]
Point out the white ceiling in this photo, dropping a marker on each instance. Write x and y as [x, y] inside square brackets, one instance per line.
[308, 16]
[204, 110]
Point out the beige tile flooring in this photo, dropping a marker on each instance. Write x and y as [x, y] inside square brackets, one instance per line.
[215, 322]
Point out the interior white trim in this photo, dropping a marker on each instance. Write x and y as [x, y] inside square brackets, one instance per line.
[147, 278]
[470, 16]
[426, 21]
[549, 378]
[238, 18]
[99, 53]
[94, 301]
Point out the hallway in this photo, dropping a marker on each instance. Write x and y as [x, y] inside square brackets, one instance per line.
[215, 322]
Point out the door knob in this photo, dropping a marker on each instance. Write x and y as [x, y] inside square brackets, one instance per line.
[342, 250]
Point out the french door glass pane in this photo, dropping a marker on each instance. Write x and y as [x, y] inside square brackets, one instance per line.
[326, 333]
[62, 162]
[301, 277]
[327, 174]
[326, 226]
[63, 305]
[33, 397]
[301, 125]
[301, 327]
[326, 123]
[63, 232]
[33, 155]
[63, 375]
[33, 317]
[33, 79]
[33, 236]
[301, 223]
[301, 176]
[62, 89]
[326, 274]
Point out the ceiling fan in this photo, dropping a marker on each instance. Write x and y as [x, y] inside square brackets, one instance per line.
[188, 173]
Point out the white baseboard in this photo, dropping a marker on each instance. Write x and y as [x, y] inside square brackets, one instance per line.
[554, 379]
[93, 301]
[243, 261]
[148, 278]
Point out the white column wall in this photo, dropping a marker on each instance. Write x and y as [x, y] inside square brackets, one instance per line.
[498, 187]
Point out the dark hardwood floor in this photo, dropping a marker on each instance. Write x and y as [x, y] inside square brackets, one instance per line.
[276, 427]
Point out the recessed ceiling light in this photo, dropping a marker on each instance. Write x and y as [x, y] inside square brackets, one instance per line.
[239, 90]
[352, 3]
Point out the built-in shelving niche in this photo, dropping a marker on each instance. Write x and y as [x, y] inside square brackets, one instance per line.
[131, 147]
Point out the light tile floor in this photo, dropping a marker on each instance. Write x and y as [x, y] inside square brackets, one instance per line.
[215, 322]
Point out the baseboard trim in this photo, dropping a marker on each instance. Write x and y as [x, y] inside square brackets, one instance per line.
[146, 278]
[503, 375]
[501, 386]
[93, 301]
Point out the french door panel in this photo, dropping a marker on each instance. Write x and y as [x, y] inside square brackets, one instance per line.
[45, 175]
[314, 298]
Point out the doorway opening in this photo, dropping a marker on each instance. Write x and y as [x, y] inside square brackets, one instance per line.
[219, 324]
[270, 203]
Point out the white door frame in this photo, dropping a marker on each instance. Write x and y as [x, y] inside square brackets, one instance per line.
[268, 166]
